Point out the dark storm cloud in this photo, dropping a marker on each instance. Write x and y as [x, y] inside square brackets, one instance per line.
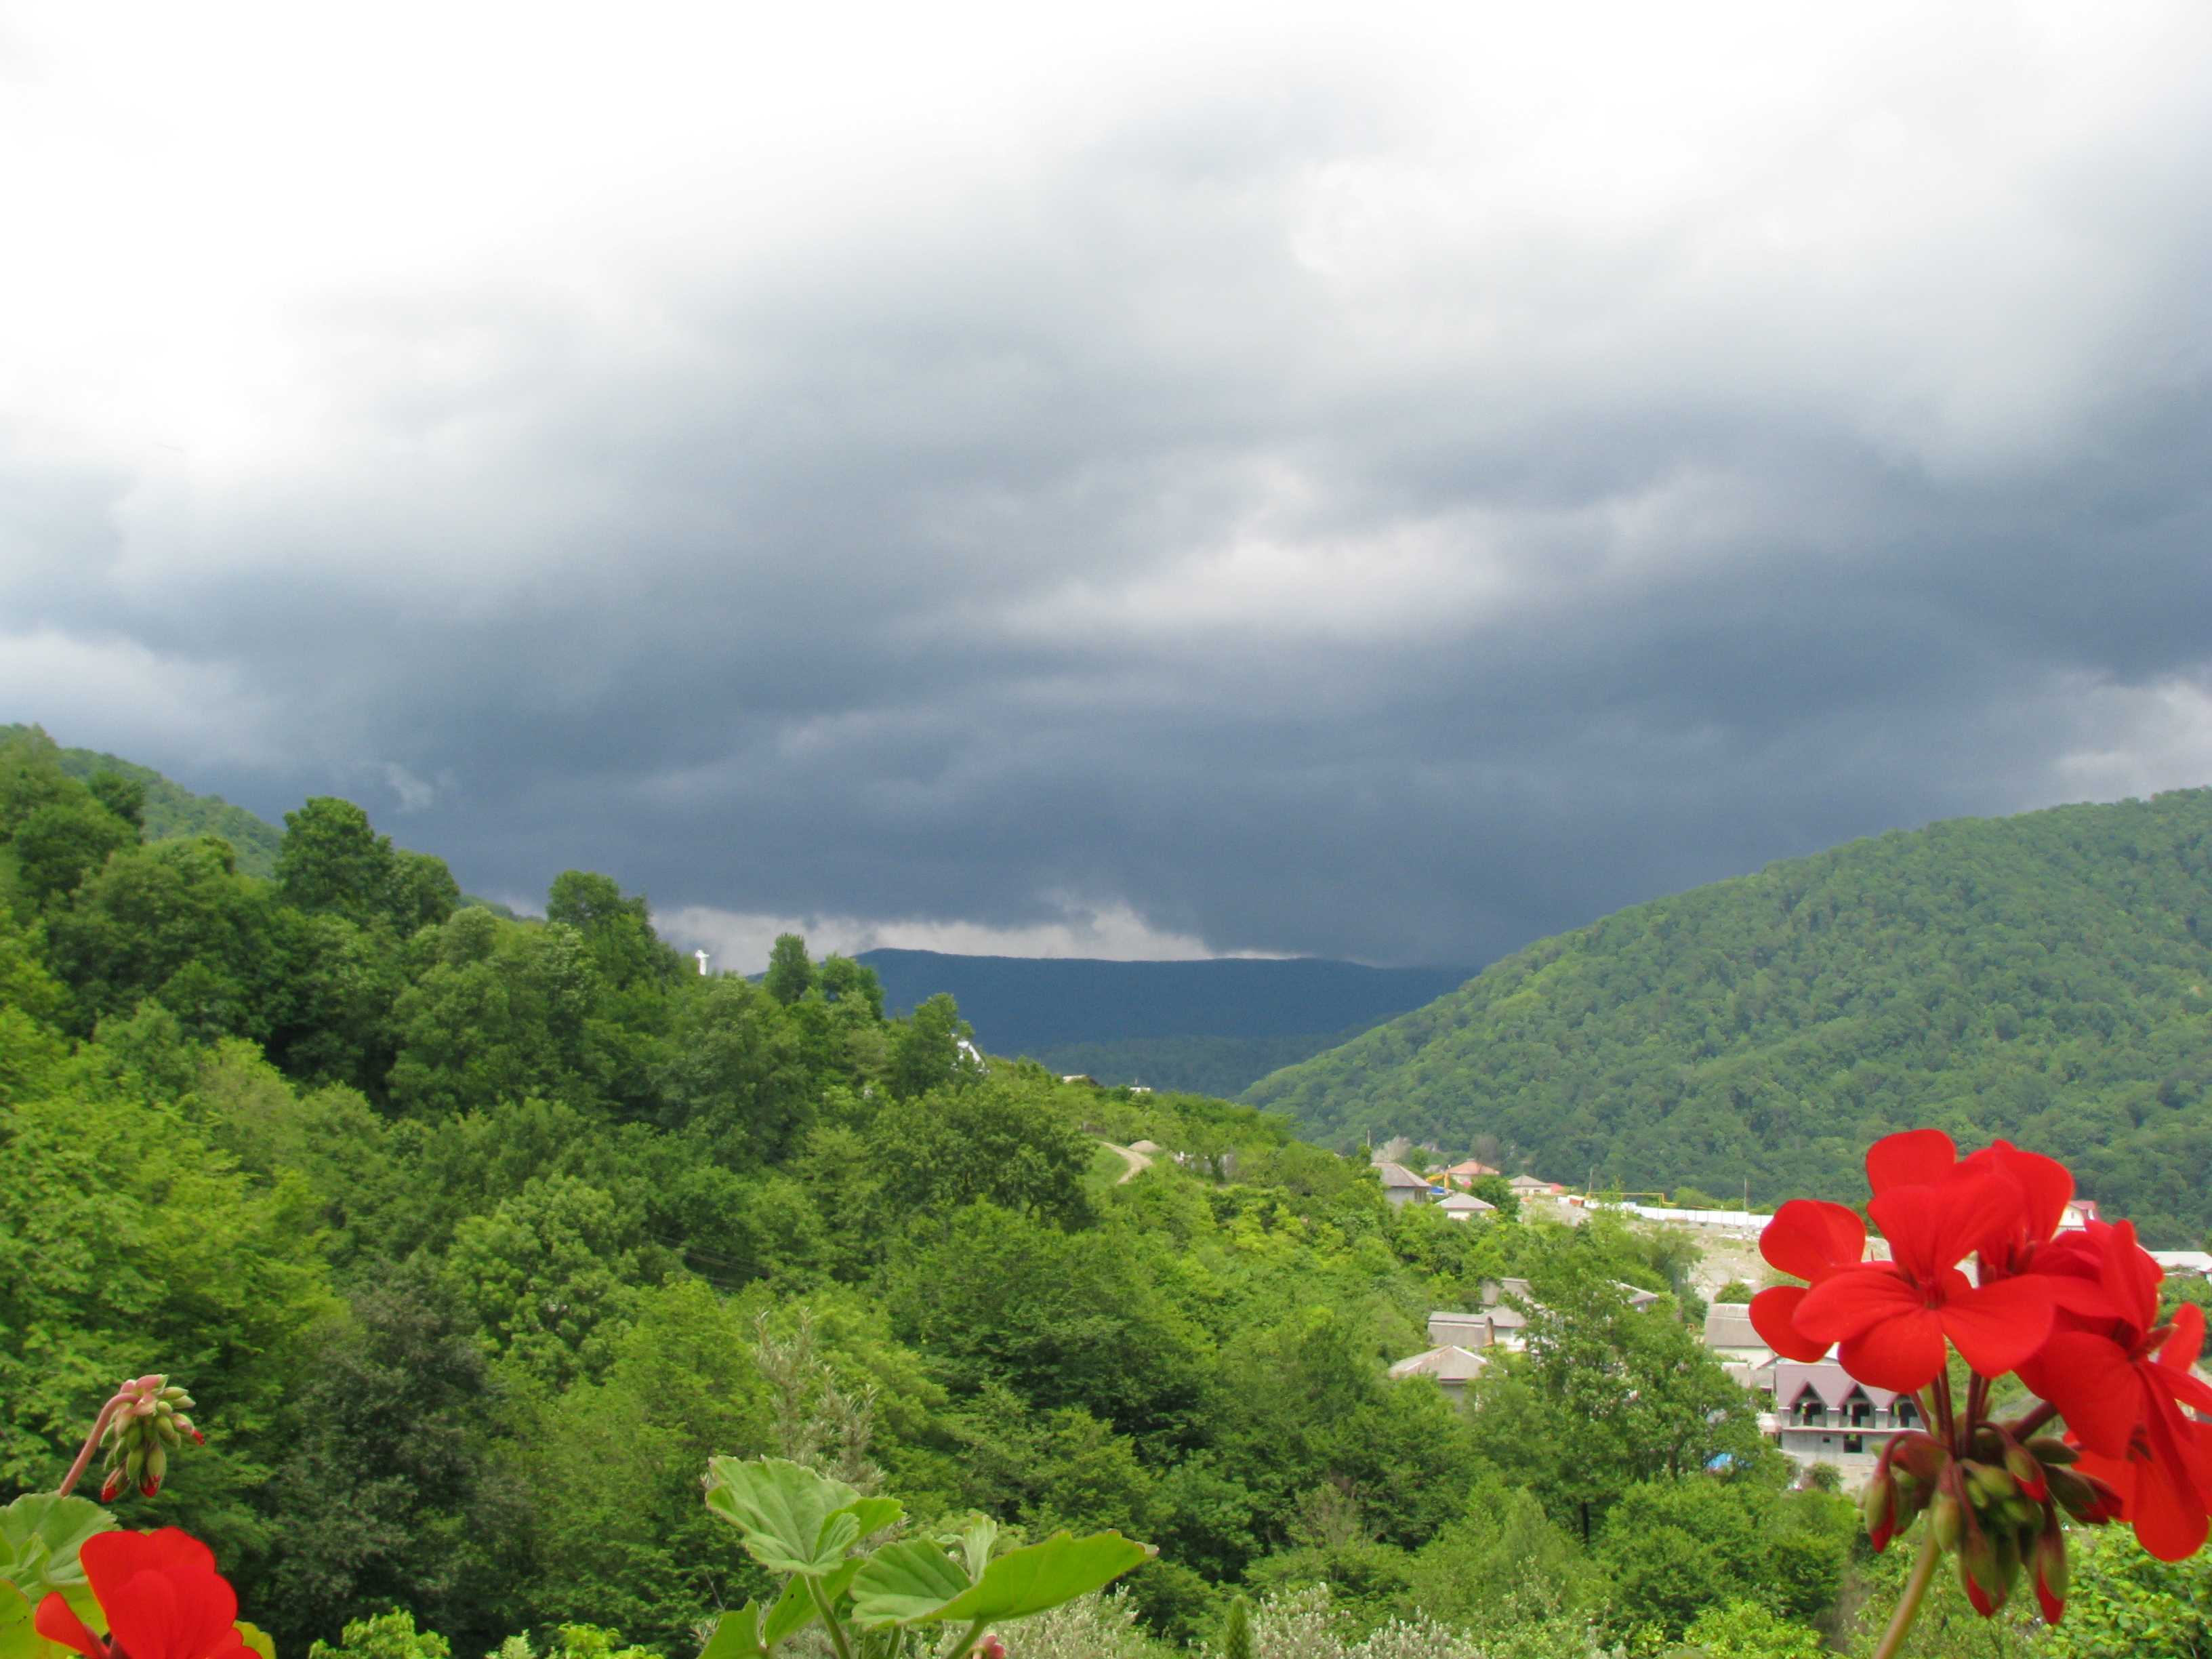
[1095, 541]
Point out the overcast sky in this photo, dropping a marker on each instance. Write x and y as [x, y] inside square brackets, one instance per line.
[1376, 480]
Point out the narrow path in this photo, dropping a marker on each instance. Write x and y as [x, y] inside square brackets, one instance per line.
[1138, 1162]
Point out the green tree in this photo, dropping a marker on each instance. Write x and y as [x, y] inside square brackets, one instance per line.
[390, 1636]
[56, 846]
[1061, 1319]
[790, 970]
[124, 796]
[1750, 1630]
[175, 921]
[842, 980]
[729, 1073]
[927, 1051]
[334, 861]
[385, 1493]
[551, 1276]
[617, 927]
[1002, 1141]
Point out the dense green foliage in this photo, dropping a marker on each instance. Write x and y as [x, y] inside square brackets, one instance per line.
[476, 1238]
[2046, 977]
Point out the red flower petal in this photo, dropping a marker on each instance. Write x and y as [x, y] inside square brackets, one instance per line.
[1773, 1314]
[113, 1557]
[1844, 1303]
[2085, 1298]
[2181, 1348]
[1917, 1158]
[1904, 1353]
[1807, 1238]
[1930, 1228]
[2089, 1378]
[146, 1619]
[2167, 1513]
[57, 1620]
[1997, 1327]
[2129, 1275]
[2046, 1185]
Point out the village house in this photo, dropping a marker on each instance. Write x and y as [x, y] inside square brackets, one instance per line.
[1460, 1206]
[1528, 1186]
[1823, 1414]
[1402, 1187]
[1462, 1342]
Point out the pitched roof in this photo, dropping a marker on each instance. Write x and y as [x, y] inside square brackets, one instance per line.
[1449, 1364]
[1470, 1170]
[1728, 1325]
[1464, 1204]
[1397, 1175]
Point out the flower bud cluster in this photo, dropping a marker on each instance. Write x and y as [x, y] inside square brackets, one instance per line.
[145, 1424]
[1997, 1510]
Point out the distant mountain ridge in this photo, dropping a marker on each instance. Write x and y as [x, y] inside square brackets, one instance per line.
[172, 811]
[2046, 977]
[1233, 1013]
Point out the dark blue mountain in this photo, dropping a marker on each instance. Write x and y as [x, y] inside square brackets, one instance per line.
[1028, 1004]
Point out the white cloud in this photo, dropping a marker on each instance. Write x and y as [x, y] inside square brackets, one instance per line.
[740, 943]
[2140, 739]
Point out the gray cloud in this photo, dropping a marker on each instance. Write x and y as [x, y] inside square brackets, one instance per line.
[1234, 518]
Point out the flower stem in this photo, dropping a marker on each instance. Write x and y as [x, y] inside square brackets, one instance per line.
[91, 1445]
[1908, 1605]
[2044, 1412]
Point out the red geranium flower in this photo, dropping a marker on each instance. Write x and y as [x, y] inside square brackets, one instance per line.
[1891, 1317]
[2043, 1185]
[1810, 1240]
[2121, 1383]
[163, 1596]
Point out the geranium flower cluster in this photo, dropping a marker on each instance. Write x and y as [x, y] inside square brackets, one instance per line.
[2073, 1315]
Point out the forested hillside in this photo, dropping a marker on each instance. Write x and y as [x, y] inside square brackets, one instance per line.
[170, 810]
[2046, 977]
[475, 1239]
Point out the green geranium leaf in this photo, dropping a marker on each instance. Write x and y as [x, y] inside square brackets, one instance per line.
[794, 1521]
[977, 1542]
[905, 1581]
[257, 1638]
[18, 1640]
[39, 1535]
[874, 1514]
[1026, 1581]
[736, 1635]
